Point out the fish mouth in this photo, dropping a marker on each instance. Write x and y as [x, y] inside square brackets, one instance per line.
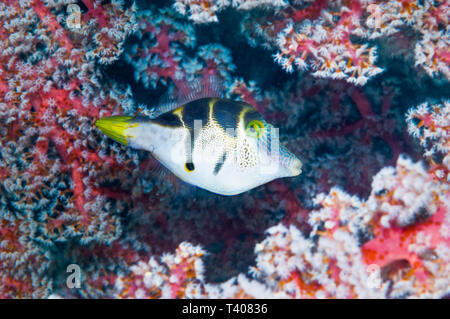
[295, 168]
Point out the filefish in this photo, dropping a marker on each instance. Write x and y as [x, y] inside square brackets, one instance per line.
[218, 144]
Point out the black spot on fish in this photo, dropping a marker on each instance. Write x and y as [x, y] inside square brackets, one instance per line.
[168, 119]
[226, 113]
[189, 166]
[219, 164]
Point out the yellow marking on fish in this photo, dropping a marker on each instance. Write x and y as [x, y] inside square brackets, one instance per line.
[241, 118]
[179, 112]
[229, 143]
[211, 107]
[213, 123]
[116, 127]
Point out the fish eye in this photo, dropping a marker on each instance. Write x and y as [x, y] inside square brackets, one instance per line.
[254, 128]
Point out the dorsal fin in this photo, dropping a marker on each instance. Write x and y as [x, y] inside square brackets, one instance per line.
[167, 102]
[207, 86]
[185, 92]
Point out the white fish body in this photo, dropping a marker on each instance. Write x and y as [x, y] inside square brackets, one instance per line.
[220, 145]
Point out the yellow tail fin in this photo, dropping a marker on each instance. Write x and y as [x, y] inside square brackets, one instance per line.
[116, 127]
